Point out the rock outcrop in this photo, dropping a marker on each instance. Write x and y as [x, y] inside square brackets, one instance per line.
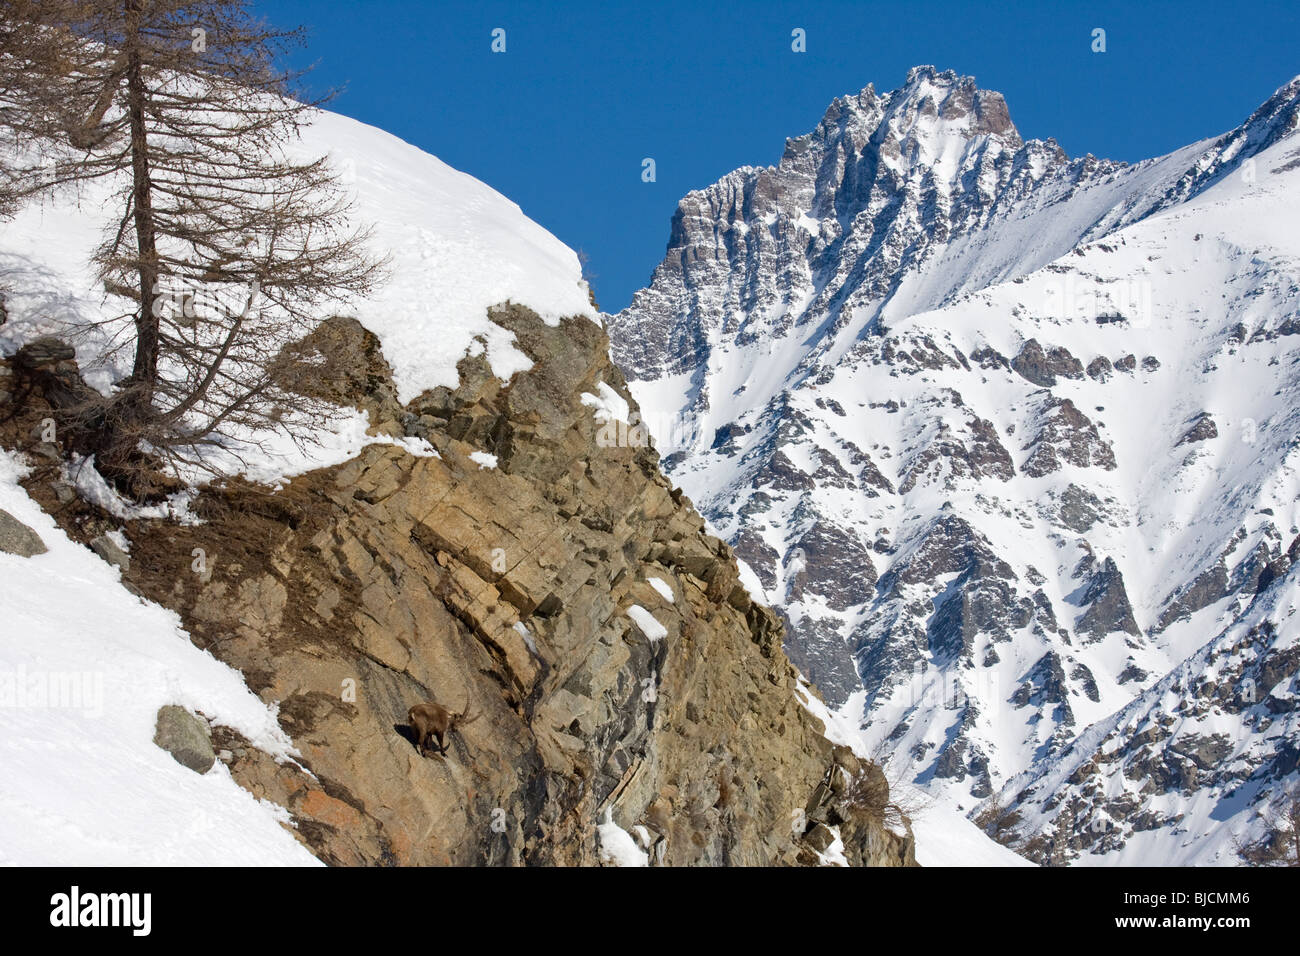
[570, 595]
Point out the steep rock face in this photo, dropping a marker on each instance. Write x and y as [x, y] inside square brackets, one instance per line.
[1108, 608]
[525, 592]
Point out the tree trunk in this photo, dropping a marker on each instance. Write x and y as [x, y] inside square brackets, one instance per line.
[119, 433]
[145, 371]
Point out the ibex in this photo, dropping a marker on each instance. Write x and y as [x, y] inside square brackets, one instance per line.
[431, 719]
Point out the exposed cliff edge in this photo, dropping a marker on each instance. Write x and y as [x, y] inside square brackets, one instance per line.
[355, 591]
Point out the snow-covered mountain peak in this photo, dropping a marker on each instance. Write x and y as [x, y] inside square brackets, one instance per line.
[1007, 436]
[926, 125]
[955, 100]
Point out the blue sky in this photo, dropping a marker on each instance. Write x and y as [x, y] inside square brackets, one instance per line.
[585, 91]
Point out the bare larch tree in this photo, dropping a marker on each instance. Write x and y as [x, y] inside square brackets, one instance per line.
[227, 241]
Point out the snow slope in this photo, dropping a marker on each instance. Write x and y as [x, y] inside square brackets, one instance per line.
[945, 837]
[1221, 724]
[454, 246]
[83, 783]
